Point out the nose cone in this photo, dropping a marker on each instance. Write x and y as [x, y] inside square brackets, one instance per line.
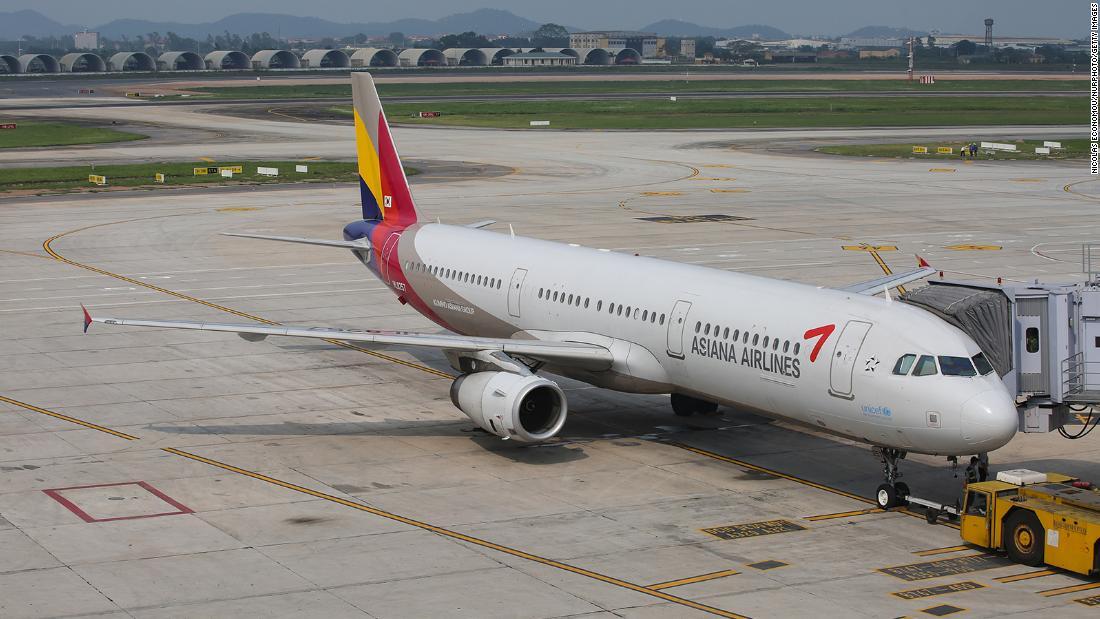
[989, 420]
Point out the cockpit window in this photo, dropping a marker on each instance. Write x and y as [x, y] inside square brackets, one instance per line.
[904, 364]
[957, 366]
[926, 366]
[983, 365]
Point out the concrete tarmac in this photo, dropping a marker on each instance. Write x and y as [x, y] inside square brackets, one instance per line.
[154, 473]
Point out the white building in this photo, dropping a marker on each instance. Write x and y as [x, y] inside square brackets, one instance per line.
[86, 40]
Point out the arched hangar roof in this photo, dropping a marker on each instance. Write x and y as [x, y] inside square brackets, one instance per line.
[83, 62]
[420, 57]
[180, 61]
[374, 57]
[275, 59]
[627, 55]
[225, 59]
[9, 64]
[325, 58]
[131, 61]
[495, 55]
[466, 56]
[38, 63]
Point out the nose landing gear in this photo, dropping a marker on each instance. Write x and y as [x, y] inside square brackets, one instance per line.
[893, 493]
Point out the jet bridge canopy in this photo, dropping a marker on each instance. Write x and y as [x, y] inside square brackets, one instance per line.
[984, 315]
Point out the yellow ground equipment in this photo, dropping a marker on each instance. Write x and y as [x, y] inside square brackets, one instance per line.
[1037, 518]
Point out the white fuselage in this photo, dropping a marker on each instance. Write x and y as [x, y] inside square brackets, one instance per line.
[724, 337]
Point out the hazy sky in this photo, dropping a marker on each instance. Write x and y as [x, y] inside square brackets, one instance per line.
[1068, 18]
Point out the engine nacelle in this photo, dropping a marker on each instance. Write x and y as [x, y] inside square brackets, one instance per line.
[528, 409]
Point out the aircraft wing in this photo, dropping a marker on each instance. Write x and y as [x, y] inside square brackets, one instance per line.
[894, 280]
[579, 354]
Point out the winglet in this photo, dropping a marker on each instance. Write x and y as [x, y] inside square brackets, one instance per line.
[87, 317]
[922, 263]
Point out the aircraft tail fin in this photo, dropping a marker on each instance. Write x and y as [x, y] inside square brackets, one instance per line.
[383, 187]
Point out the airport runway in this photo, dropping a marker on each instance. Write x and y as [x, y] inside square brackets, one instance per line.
[199, 474]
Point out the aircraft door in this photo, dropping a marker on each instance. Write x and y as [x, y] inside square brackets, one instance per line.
[515, 287]
[844, 358]
[677, 321]
[387, 250]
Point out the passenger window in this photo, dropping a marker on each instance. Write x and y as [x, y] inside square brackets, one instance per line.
[662, 319]
[586, 303]
[957, 366]
[797, 346]
[765, 341]
[570, 301]
[653, 317]
[706, 329]
[755, 338]
[736, 334]
[745, 338]
[599, 306]
[786, 346]
[983, 365]
[904, 364]
[926, 366]
[1031, 337]
[726, 333]
[635, 313]
[698, 326]
[645, 315]
[619, 311]
[775, 344]
[540, 293]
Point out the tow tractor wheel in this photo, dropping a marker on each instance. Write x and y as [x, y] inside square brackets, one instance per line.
[1025, 540]
[886, 496]
[903, 492]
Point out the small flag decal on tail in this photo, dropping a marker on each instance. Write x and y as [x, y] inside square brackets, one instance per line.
[87, 317]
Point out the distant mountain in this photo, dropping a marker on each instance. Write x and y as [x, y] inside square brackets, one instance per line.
[30, 23]
[675, 27]
[486, 21]
[884, 32]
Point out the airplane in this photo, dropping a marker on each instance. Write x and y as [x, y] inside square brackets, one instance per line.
[840, 361]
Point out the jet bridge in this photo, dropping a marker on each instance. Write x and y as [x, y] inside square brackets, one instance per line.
[1042, 339]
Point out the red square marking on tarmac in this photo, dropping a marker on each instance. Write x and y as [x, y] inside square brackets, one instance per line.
[122, 501]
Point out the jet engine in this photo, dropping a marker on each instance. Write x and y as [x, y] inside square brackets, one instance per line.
[524, 408]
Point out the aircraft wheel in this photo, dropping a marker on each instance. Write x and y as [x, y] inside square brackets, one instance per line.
[684, 406]
[903, 491]
[886, 496]
[1025, 539]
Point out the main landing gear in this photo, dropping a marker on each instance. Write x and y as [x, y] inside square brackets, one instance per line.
[686, 406]
[893, 493]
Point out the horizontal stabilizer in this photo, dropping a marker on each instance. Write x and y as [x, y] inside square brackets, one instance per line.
[359, 244]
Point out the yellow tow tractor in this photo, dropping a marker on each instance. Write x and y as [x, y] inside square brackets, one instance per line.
[1036, 518]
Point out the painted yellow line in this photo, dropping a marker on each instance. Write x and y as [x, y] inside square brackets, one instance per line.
[459, 536]
[796, 479]
[858, 512]
[1027, 180]
[662, 193]
[941, 169]
[718, 165]
[942, 551]
[885, 268]
[79, 422]
[47, 245]
[969, 247]
[1025, 576]
[866, 247]
[729, 190]
[1073, 589]
[206, 159]
[700, 578]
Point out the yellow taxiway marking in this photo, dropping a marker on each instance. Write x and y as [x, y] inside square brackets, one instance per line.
[700, 578]
[662, 193]
[968, 247]
[459, 536]
[1027, 180]
[941, 169]
[858, 512]
[870, 248]
[729, 190]
[796, 479]
[79, 422]
[310, 158]
[652, 591]
[1025, 576]
[207, 159]
[1072, 589]
[710, 178]
[237, 209]
[717, 165]
[941, 551]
